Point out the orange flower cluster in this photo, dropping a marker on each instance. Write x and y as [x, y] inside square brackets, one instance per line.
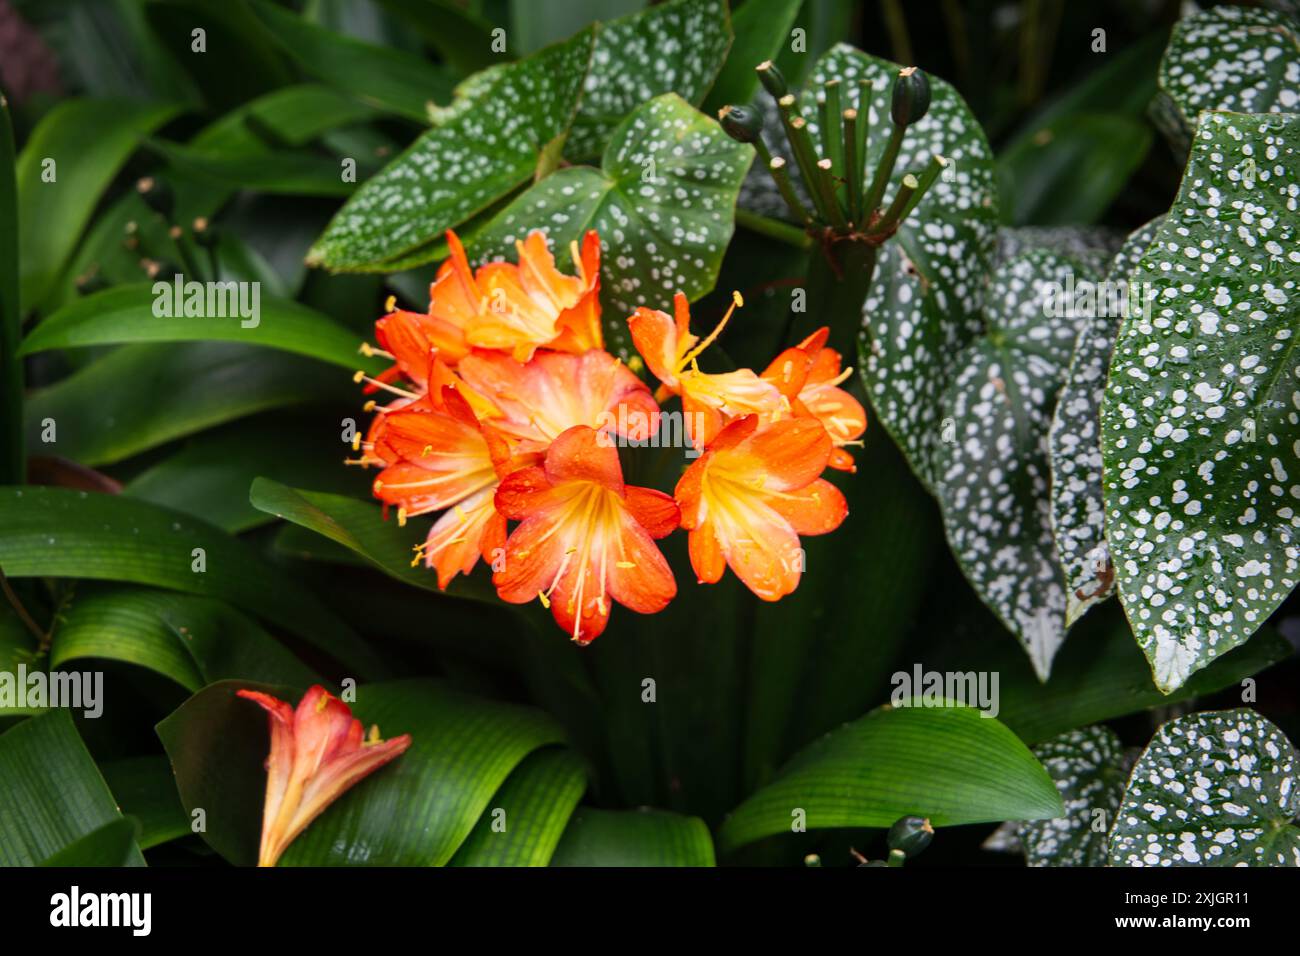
[507, 408]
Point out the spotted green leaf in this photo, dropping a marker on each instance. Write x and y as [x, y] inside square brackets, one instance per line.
[991, 470]
[662, 201]
[1227, 58]
[1087, 766]
[924, 302]
[676, 47]
[487, 143]
[1211, 789]
[1074, 441]
[1200, 428]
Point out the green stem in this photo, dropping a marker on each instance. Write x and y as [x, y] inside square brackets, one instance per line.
[853, 165]
[782, 179]
[839, 277]
[884, 169]
[773, 229]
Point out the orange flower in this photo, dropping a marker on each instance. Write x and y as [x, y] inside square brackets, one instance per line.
[533, 305]
[317, 754]
[751, 494]
[586, 538]
[709, 401]
[809, 376]
[555, 391]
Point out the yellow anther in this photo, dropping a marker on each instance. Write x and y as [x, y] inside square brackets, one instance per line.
[541, 596]
[390, 304]
[401, 517]
[359, 376]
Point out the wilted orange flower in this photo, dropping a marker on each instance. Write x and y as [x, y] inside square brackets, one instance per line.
[809, 376]
[751, 494]
[709, 400]
[317, 753]
[586, 539]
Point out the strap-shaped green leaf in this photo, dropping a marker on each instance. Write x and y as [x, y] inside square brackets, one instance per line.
[642, 837]
[192, 640]
[141, 396]
[52, 792]
[488, 143]
[1074, 441]
[675, 47]
[662, 202]
[57, 532]
[528, 815]
[992, 473]
[1211, 789]
[1228, 57]
[126, 314]
[71, 156]
[948, 763]
[1199, 421]
[1087, 766]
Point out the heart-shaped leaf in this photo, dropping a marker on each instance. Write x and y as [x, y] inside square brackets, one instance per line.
[1234, 58]
[1200, 427]
[1211, 789]
[488, 143]
[992, 472]
[676, 47]
[1074, 441]
[662, 202]
[948, 763]
[52, 791]
[1087, 766]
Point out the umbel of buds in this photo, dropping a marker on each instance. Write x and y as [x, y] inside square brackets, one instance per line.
[846, 199]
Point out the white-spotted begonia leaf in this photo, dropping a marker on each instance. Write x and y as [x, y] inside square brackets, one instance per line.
[1087, 766]
[1211, 789]
[487, 144]
[663, 202]
[676, 47]
[925, 298]
[1201, 416]
[991, 462]
[1074, 442]
[1227, 58]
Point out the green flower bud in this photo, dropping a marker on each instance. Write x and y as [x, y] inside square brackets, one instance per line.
[911, 96]
[910, 835]
[772, 79]
[742, 123]
[157, 195]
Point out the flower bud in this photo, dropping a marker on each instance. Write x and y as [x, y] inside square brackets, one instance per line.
[910, 835]
[742, 123]
[772, 79]
[911, 96]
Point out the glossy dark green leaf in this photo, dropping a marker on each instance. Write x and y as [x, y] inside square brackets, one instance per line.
[1071, 170]
[526, 818]
[386, 78]
[146, 791]
[360, 527]
[634, 838]
[193, 640]
[113, 844]
[487, 143]
[947, 763]
[87, 141]
[141, 396]
[284, 172]
[47, 775]
[662, 202]
[462, 37]
[209, 476]
[126, 314]
[11, 370]
[1211, 789]
[56, 532]
[762, 29]
[1200, 428]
